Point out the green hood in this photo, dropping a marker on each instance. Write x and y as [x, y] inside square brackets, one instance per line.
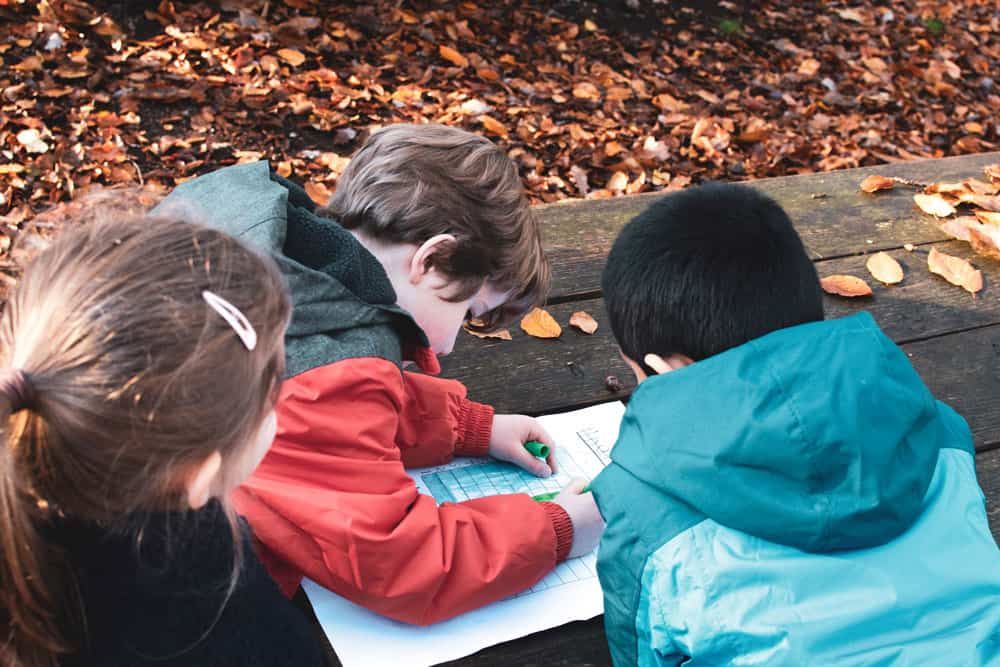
[821, 437]
[345, 306]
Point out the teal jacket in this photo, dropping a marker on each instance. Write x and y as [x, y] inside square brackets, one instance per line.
[799, 500]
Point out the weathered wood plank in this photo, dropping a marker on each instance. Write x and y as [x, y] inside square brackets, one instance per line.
[839, 221]
[537, 376]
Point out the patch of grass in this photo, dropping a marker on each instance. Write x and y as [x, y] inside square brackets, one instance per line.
[730, 27]
[934, 25]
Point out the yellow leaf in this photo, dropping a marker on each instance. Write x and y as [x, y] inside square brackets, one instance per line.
[540, 324]
[934, 205]
[618, 181]
[988, 217]
[292, 56]
[453, 56]
[955, 270]
[884, 268]
[583, 321]
[875, 183]
[493, 126]
[848, 286]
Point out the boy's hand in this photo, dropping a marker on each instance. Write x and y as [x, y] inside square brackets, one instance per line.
[510, 432]
[588, 525]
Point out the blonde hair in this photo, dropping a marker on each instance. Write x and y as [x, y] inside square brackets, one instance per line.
[120, 379]
[408, 183]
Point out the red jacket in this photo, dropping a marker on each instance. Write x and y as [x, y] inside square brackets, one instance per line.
[332, 500]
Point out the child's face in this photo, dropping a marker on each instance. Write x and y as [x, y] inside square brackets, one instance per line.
[441, 319]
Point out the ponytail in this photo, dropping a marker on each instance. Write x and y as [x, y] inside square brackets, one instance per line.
[28, 576]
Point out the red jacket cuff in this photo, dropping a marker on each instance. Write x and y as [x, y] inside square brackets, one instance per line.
[563, 527]
[475, 426]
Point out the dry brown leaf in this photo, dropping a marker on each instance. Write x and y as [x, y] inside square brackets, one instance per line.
[992, 172]
[959, 227]
[990, 203]
[988, 217]
[809, 67]
[540, 324]
[318, 192]
[955, 270]
[843, 285]
[875, 183]
[292, 56]
[985, 240]
[583, 321]
[453, 56]
[493, 126]
[500, 334]
[586, 91]
[618, 181]
[884, 268]
[934, 204]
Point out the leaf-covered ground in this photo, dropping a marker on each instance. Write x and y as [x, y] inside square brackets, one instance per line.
[590, 99]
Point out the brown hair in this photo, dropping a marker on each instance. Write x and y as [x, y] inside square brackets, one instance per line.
[408, 183]
[119, 380]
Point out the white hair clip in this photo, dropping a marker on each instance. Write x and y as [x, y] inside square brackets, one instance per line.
[234, 317]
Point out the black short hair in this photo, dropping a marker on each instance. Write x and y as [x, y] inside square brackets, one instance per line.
[707, 269]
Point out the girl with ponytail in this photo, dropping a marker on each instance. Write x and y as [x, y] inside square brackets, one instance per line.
[139, 364]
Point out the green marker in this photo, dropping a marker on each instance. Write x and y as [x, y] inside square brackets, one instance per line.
[539, 449]
[545, 497]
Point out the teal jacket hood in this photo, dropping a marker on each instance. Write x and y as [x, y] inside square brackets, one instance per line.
[345, 306]
[821, 437]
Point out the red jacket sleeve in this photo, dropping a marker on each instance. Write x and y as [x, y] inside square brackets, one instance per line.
[437, 421]
[332, 501]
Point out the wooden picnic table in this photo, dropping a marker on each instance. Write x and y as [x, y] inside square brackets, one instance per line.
[952, 338]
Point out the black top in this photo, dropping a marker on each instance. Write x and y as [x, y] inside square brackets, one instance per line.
[156, 594]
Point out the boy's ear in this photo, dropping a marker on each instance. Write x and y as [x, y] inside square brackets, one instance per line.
[420, 262]
[201, 480]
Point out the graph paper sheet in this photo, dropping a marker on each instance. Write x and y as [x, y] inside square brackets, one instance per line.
[570, 592]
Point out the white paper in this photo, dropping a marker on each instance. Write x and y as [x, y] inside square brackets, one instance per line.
[570, 592]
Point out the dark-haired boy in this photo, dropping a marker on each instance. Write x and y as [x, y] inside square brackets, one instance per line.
[805, 500]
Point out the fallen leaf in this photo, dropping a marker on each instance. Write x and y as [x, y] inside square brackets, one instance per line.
[992, 172]
[985, 240]
[493, 126]
[583, 321]
[474, 107]
[579, 178]
[990, 203]
[934, 204]
[586, 91]
[809, 67]
[540, 324]
[32, 141]
[875, 183]
[453, 56]
[292, 56]
[848, 286]
[618, 181]
[884, 268]
[501, 334]
[959, 227]
[955, 270]
[318, 192]
[988, 217]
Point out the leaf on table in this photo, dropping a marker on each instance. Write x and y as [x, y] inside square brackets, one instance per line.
[453, 56]
[540, 324]
[875, 183]
[583, 321]
[934, 204]
[843, 285]
[992, 172]
[959, 227]
[884, 268]
[990, 203]
[293, 57]
[981, 187]
[985, 240]
[988, 217]
[955, 270]
[500, 334]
